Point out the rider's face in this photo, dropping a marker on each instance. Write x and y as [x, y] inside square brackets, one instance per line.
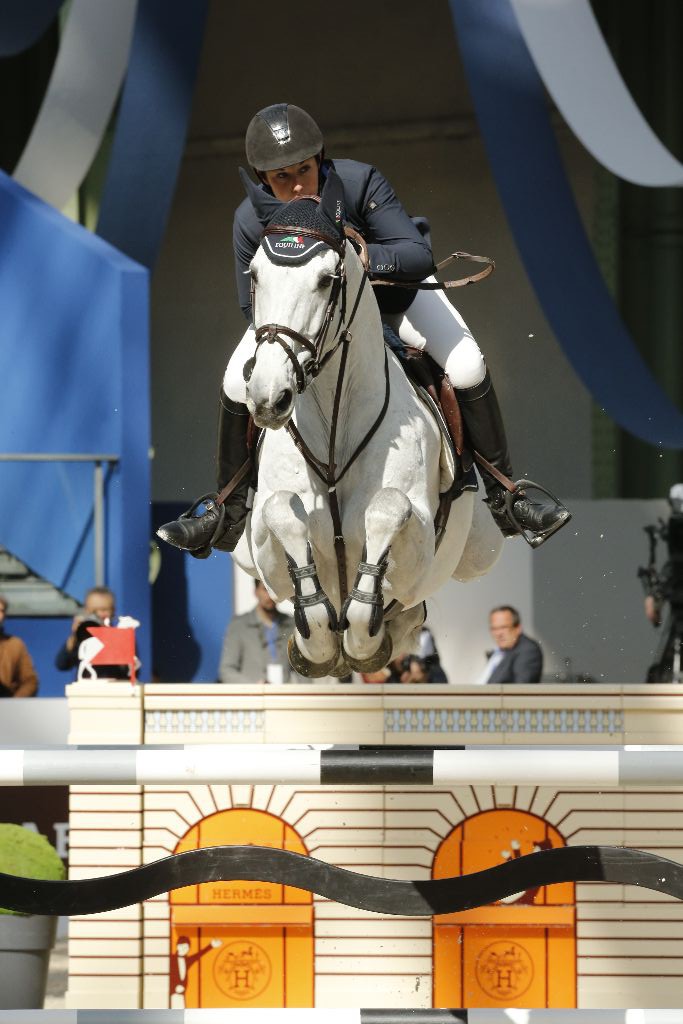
[294, 180]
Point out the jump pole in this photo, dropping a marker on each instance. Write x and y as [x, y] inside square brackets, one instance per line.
[330, 1016]
[272, 764]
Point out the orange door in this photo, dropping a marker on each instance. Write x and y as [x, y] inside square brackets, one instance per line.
[520, 951]
[241, 943]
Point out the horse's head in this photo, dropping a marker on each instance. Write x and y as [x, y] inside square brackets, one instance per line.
[297, 279]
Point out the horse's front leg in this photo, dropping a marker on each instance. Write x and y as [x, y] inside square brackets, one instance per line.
[314, 646]
[389, 521]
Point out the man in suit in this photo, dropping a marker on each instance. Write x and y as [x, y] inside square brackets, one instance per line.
[516, 658]
[255, 645]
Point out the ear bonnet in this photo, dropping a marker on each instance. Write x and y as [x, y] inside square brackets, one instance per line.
[295, 231]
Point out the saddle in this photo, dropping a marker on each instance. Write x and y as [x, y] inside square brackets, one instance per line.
[433, 386]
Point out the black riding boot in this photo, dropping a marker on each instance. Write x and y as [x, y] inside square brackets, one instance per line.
[484, 427]
[219, 526]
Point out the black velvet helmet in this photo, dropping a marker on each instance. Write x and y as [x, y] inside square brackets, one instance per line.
[280, 135]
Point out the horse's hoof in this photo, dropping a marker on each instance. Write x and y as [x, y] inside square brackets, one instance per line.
[310, 669]
[341, 668]
[378, 660]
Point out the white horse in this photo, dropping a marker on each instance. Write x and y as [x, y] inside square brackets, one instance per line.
[350, 451]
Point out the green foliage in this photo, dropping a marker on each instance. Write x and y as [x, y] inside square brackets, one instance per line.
[26, 853]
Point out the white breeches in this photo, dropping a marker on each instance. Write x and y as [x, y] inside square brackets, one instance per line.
[430, 323]
[433, 324]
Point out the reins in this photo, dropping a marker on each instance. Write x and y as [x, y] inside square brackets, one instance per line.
[327, 473]
[459, 282]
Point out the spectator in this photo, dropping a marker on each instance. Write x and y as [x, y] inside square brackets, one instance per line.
[429, 653]
[516, 658]
[99, 609]
[409, 668]
[422, 671]
[18, 677]
[664, 592]
[255, 645]
[395, 672]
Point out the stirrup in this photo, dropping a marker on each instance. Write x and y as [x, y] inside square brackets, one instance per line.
[534, 540]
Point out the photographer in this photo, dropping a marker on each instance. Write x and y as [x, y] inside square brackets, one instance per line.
[665, 587]
[99, 610]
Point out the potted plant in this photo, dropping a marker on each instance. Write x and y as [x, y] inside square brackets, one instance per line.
[26, 939]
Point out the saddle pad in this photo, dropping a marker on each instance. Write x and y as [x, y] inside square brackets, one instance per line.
[447, 462]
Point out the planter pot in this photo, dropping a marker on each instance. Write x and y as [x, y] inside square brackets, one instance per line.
[25, 945]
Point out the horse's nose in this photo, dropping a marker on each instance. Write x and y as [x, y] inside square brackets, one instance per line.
[271, 412]
[283, 401]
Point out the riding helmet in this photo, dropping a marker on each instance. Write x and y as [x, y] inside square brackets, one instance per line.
[280, 135]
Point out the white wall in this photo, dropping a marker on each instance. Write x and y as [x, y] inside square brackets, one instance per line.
[578, 595]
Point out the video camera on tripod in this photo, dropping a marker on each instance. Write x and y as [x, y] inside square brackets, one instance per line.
[664, 586]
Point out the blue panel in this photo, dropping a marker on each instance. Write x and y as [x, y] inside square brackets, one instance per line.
[74, 363]
[154, 112]
[192, 605]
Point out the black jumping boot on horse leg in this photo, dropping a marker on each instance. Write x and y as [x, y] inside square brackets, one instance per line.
[513, 509]
[222, 523]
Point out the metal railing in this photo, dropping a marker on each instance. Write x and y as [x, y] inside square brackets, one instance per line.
[98, 461]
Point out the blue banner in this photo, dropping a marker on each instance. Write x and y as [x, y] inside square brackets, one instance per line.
[512, 110]
[152, 125]
[22, 23]
[74, 363]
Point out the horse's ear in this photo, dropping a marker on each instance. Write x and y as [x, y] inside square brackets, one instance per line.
[264, 204]
[332, 202]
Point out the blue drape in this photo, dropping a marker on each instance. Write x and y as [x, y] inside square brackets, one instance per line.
[512, 110]
[152, 125]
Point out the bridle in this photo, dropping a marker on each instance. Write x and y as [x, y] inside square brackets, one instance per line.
[278, 333]
[273, 333]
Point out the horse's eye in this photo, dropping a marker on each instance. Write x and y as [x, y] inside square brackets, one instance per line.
[325, 280]
[254, 275]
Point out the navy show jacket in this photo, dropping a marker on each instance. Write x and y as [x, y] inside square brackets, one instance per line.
[395, 246]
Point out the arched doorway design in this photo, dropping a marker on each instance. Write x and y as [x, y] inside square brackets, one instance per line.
[520, 951]
[241, 943]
